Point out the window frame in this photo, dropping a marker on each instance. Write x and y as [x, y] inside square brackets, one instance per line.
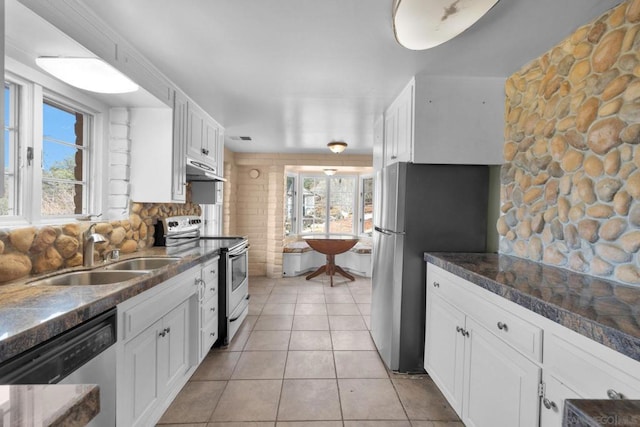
[12, 126]
[88, 142]
[361, 179]
[34, 88]
[327, 178]
[295, 208]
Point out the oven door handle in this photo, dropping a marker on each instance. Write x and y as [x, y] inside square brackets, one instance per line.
[239, 254]
[240, 315]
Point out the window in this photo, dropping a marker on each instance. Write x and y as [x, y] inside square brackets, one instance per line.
[328, 204]
[9, 203]
[290, 205]
[49, 157]
[64, 160]
[366, 205]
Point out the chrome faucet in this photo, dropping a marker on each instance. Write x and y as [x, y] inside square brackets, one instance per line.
[89, 237]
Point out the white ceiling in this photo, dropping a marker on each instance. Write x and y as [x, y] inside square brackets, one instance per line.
[296, 74]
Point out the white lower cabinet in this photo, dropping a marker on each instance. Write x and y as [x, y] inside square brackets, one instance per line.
[485, 353]
[487, 382]
[158, 331]
[208, 307]
[500, 384]
[444, 349]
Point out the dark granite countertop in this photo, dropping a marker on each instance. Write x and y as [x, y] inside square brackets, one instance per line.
[65, 405]
[605, 311]
[595, 413]
[31, 314]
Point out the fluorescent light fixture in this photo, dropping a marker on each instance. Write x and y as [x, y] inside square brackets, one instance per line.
[337, 146]
[92, 74]
[330, 172]
[423, 24]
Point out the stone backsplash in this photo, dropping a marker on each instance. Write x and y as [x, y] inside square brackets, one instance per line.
[570, 184]
[30, 250]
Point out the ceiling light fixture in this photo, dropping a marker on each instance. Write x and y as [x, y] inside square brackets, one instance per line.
[423, 24]
[92, 74]
[330, 172]
[337, 146]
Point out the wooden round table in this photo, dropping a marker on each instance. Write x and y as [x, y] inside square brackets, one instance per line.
[331, 245]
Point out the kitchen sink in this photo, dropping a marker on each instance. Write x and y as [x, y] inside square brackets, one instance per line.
[83, 278]
[141, 264]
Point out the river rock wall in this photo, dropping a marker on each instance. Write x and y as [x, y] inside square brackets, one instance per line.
[570, 184]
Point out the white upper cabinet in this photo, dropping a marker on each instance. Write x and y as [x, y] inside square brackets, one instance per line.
[445, 120]
[398, 127]
[459, 120]
[204, 137]
[179, 168]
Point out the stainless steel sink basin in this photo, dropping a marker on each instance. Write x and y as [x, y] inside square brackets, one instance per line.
[141, 264]
[84, 278]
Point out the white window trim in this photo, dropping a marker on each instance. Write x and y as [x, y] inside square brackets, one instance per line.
[294, 220]
[361, 179]
[355, 209]
[34, 86]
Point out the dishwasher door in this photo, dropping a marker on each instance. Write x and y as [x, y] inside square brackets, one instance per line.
[85, 354]
[100, 370]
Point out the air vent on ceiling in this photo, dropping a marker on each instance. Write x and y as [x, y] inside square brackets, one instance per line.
[240, 138]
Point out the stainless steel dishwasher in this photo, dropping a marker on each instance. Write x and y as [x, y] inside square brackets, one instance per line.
[82, 355]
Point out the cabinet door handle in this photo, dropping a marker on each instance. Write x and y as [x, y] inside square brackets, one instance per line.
[503, 326]
[436, 284]
[163, 333]
[213, 309]
[213, 334]
[614, 394]
[465, 333]
[167, 330]
[550, 404]
[198, 281]
[394, 157]
[458, 329]
[212, 289]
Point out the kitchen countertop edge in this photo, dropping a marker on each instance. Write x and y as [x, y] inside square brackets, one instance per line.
[31, 337]
[488, 263]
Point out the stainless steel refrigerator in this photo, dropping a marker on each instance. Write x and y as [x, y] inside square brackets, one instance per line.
[419, 208]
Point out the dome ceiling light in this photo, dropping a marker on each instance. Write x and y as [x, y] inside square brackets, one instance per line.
[423, 24]
[337, 146]
[92, 74]
[330, 172]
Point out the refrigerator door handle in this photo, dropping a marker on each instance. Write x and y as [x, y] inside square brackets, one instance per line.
[382, 230]
[388, 232]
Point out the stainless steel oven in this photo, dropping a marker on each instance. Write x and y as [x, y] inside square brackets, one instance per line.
[235, 287]
[178, 233]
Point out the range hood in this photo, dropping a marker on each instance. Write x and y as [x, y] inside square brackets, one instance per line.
[198, 171]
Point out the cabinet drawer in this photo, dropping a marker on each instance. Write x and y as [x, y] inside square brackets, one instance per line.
[589, 375]
[471, 299]
[208, 337]
[139, 317]
[442, 283]
[209, 310]
[209, 291]
[520, 334]
[210, 272]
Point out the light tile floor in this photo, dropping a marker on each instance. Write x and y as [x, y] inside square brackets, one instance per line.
[305, 357]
